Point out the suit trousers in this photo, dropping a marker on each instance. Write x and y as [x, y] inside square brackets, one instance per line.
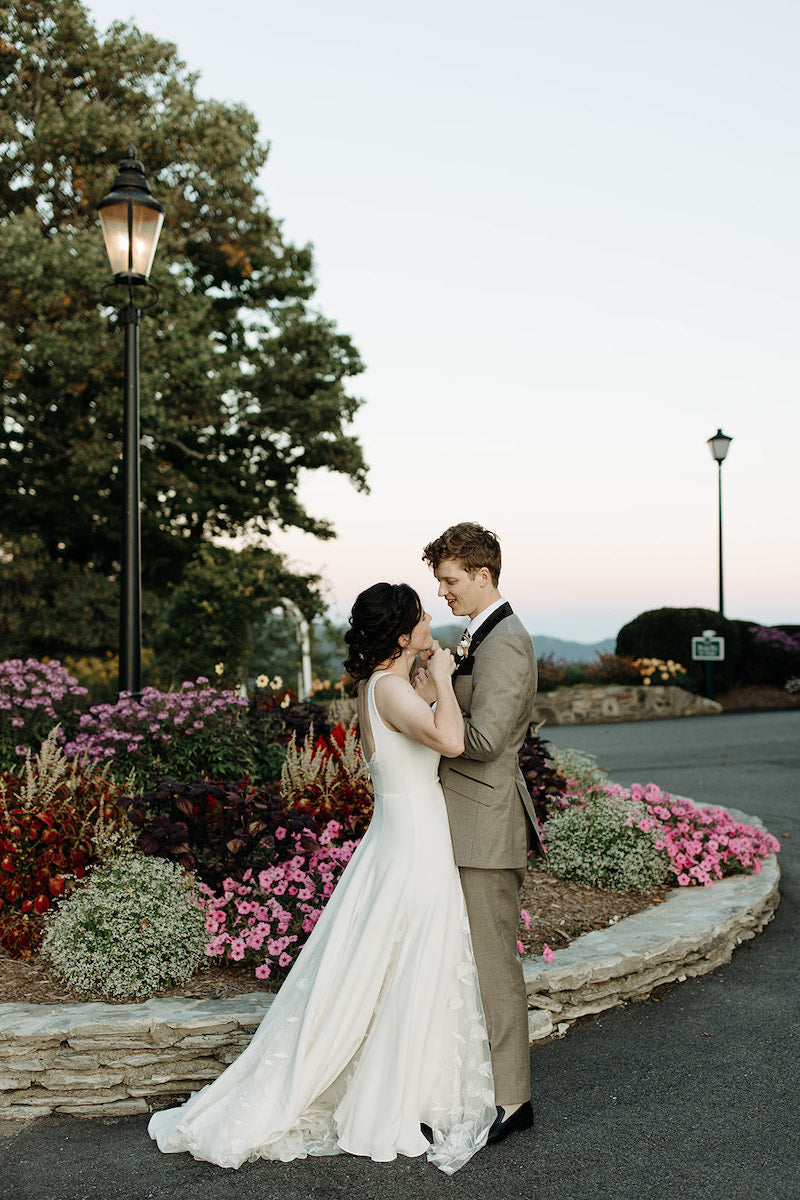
[492, 900]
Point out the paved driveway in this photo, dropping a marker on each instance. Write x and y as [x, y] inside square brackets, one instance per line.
[692, 1097]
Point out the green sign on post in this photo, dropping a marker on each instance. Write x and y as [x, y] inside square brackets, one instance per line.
[709, 648]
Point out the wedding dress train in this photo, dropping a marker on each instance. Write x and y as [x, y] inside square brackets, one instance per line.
[378, 1027]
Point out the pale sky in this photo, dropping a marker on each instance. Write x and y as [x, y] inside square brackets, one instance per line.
[563, 237]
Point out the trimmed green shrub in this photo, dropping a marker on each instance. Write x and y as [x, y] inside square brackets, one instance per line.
[667, 633]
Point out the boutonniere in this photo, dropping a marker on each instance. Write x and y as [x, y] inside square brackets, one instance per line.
[462, 649]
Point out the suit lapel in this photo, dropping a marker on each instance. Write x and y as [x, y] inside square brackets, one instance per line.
[499, 614]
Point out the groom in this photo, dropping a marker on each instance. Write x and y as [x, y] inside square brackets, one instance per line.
[491, 814]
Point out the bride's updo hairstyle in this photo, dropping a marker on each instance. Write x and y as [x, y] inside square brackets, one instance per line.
[380, 617]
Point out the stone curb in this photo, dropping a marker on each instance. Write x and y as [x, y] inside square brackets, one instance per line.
[694, 930]
[99, 1059]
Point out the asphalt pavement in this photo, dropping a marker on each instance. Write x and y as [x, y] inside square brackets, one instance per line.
[691, 1094]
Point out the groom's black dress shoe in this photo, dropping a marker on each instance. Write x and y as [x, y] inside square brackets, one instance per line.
[502, 1127]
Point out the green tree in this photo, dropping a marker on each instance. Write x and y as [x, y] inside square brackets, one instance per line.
[216, 612]
[243, 382]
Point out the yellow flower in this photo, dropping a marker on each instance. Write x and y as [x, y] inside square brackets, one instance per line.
[664, 675]
[286, 701]
[647, 681]
[276, 683]
[219, 668]
[262, 681]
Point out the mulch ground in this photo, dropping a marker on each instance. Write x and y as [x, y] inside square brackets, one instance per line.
[559, 912]
[748, 699]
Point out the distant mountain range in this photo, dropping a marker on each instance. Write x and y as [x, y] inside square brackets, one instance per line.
[572, 651]
[448, 635]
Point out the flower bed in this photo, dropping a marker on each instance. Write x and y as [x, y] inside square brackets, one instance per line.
[267, 855]
[602, 833]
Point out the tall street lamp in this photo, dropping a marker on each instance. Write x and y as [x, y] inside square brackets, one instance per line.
[719, 444]
[131, 221]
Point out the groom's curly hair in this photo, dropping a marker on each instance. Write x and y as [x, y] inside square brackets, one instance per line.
[468, 544]
[380, 617]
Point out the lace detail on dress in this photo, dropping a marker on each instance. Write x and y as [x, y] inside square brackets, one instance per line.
[461, 1119]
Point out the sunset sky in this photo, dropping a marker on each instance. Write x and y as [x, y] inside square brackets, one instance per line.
[564, 239]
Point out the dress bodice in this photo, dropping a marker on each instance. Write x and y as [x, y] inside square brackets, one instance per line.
[398, 764]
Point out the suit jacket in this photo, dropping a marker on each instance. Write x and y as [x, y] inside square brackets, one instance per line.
[492, 820]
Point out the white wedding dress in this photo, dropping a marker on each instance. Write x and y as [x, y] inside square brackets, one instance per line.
[378, 1027]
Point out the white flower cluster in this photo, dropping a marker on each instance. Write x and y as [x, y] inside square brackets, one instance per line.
[581, 768]
[606, 843]
[135, 928]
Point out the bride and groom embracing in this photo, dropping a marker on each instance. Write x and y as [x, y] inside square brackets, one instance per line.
[402, 1027]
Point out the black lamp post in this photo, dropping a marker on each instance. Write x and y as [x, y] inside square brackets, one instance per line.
[131, 220]
[719, 444]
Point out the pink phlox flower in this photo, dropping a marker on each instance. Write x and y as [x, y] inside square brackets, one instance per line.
[547, 954]
[525, 917]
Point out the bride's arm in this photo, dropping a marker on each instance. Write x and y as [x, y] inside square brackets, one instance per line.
[402, 709]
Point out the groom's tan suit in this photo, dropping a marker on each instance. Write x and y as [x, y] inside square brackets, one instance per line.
[493, 826]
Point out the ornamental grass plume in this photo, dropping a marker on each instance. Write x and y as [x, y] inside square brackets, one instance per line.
[328, 779]
[53, 816]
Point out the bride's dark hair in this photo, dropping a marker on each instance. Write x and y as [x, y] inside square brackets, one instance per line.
[380, 617]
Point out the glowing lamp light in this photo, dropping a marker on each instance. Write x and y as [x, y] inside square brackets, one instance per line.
[131, 221]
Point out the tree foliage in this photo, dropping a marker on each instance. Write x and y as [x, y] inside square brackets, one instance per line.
[243, 383]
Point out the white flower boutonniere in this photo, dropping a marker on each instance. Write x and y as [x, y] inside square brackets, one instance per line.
[462, 649]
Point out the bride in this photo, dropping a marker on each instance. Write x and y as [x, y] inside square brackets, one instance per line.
[376, 1043]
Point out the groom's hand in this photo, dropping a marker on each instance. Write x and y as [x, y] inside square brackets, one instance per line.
[423, 685]
[424, 656]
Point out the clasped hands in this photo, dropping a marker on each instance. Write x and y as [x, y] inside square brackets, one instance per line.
[434, 668]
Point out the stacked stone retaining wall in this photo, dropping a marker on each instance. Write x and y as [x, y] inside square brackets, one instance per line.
[591, 704]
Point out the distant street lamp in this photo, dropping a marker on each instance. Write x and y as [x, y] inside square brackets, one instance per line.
[131, 221]
[719, 444]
